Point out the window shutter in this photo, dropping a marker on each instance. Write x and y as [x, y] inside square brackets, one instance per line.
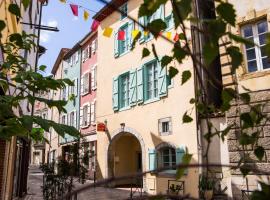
[88, 114]
[82, 85]
[93, 113]
[76, 86]
[93, 47]
[67, 92]
[115, 94]
[93, 78]
[152, 159]
[81, 116]
[89, 82]
[83, 55]
[133, 87]
[162, 82]
[179, 156]
[66, 119]
[89, 51]
[75, 119]
[140, 84]
[129, 33]
[160, 12]
[116, 51]
[77, 56]
[141, 21]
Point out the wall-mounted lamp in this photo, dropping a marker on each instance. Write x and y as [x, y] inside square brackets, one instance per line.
[122, 125]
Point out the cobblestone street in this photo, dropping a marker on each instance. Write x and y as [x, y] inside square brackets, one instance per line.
[35, 179]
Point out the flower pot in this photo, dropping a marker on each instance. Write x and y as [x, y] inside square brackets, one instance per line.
[208, 194]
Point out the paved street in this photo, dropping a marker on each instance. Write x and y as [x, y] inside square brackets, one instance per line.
[35, 178]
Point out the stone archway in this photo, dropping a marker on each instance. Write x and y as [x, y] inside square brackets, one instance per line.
[116, 136]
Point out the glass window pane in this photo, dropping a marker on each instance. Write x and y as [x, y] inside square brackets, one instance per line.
[262, 39]
[252, 66]
[263, 51]
[247, 31]
[251, 54]
[262, 27]
[266, 63]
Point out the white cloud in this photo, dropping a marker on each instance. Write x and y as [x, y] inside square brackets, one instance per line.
[75, 18]
[45, 36]
[52, 23]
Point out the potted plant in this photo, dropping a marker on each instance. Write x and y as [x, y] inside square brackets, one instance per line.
[206, 187]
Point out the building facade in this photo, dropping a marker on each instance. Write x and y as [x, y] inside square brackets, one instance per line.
[88, 88]
[141, 106]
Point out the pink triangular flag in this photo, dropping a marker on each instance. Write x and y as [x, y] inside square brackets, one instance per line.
[74, 9]
[121, 35]
[95, 25]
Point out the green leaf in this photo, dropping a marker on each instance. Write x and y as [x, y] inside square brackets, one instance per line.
[145, 52]
[210, 52]
[236, 56]
[148, 7]
[16, 38]
[186, 75]
[2, 25]
[25, 3]
[185, 161]
[245, 97]
[240, 39]
[192, 101]
[155, 52]
[247, 120]
[165, 60]
[259, 152]
[187, 118]
[14, 9]
[245, 169]
[178, 52]
[227, 95]
[227, 12]
[156, 26]
[173, 72]
[42, 68]
[181, 10]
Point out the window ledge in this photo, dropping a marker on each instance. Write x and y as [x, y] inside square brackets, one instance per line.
[84, 94]
[124, 108]
[256, 74]
[151, 100]
[126, 52]
[165, 174]
[83, 127]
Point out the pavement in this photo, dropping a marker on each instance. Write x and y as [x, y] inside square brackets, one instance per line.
[35, 181]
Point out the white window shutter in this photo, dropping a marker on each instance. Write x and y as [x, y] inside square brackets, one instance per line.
[89, 81]
[82, 85]
[93, 47]
[81, 116]
[93, 110]
[76, 86]
[75, 119]
[67, 118]
[89, 51]
[83, 55]
[93, 78]
[77, 56]
[88, 114]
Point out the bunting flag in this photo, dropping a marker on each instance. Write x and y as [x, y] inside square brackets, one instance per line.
[85, 15]
[121, 35]
[74, 9]
[63, 1]
[108, 32]
[169, 35]
[135, 33]
[95, 25]
[176, 37]
[146, 33]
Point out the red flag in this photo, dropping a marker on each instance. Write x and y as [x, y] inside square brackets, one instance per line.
[176, 37]
[74, 9]
[95, 25]
[121, 35]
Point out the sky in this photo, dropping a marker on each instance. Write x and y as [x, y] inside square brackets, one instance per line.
[72, 28]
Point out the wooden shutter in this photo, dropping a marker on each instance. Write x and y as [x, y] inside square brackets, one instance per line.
[75, 119]
[115, 94]
[133, 87]
[89, 82]
[89, 51]
[81, 116]
[142, 22]
[129, 33]
[82, 84]
[152, 155]
[160, 12]
[93, 77]
[93, 110]
[76, 86]
[179, 156]
[116, 50]
[162, 82]
[140, 85]
[88, 114]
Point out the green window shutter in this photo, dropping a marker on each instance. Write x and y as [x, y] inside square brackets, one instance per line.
[141, 21]
[179, 156]
[115, 94]
[160, 12]
[140, 85]
[116, 46]
[152, 154]
[129, 33]
[133, 87]
[162, 82]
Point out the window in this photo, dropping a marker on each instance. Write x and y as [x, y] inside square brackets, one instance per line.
[89, 51]
[256, 57]
[73, 88]
[72, 119]
[85, 88]
[167, 157]
[151, 80]
[64, 95]
[93, 112]
[85, 118]
[124, 11]
[124, 90]
[94, 77]
[64, 119]
[123, 44]
[165, 126]
[169, 22]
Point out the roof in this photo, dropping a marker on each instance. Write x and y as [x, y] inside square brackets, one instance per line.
[60, 56]
[87, 37]
[108, 9]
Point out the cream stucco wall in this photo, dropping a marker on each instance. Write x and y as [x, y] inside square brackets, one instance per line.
[144, 118]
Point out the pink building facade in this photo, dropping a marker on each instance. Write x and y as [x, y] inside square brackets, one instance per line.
[88, 102]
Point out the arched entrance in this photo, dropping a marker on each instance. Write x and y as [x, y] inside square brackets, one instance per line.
[126, 156]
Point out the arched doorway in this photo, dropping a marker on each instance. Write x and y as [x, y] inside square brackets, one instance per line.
[126, 156]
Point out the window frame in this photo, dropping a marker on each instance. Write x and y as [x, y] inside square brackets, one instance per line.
[120, 42]
[160, 126]
[154, 79]
[171, 163]
[123, 8]
[120, 92]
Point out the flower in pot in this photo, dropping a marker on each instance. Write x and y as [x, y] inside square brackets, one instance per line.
[206, 187]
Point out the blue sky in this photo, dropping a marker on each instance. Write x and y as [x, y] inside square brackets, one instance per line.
[72, 28]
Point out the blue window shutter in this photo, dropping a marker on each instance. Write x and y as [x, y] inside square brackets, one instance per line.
[129, 33]
[162, 82]
[141, 21]
[179, 156]
[152, 159]
[115, 94]
[116, 46]
[140, 85]
[133, 87]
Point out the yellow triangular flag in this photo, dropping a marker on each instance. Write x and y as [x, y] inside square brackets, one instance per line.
[63, 1]
[85, 15]
[169, 35]
[135, 33]
[146, 33]
[108, 32]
